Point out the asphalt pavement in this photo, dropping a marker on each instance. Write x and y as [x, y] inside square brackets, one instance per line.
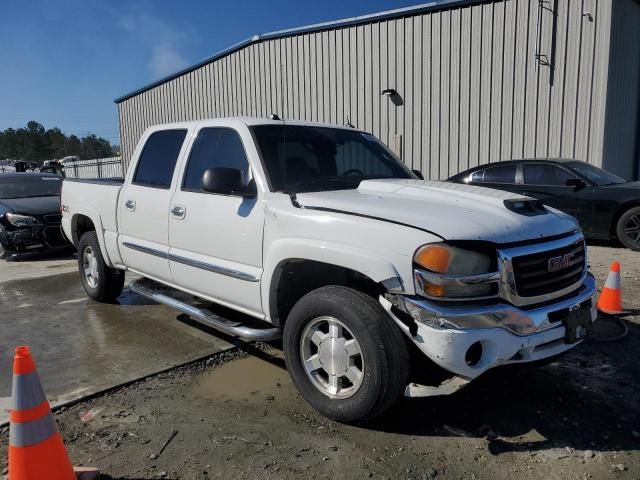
[82, 347]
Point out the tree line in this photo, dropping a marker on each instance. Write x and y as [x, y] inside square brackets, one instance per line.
[35, 144]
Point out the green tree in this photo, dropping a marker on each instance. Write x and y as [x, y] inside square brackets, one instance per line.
[35, 148]
[57, 142]
[34, 143]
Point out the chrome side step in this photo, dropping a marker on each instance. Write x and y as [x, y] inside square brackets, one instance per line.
[162, 294]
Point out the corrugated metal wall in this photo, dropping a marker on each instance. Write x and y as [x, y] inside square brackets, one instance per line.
[470, 88]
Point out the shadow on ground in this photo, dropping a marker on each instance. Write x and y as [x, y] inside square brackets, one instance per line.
[585, 400]
[66, 253]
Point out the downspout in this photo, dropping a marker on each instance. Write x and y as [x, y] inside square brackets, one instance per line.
[636, 153]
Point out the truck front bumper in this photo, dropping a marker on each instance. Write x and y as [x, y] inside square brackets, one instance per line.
[469, 352]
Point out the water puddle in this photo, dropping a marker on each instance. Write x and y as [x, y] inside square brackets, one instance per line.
[246, 379]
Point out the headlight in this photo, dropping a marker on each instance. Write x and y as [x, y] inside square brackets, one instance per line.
[21, 220]
[445, 272]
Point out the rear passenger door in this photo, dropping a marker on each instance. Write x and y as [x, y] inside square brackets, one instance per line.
[216, 240]
[143, 210]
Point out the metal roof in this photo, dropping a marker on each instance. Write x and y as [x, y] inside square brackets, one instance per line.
[317, 27]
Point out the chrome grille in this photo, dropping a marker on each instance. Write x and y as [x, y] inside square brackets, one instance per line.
[549, 271]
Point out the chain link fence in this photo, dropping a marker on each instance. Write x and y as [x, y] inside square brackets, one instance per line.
[110, 167]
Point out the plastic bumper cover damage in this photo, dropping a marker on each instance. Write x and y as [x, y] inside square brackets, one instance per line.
[502, 334]
[29, 238]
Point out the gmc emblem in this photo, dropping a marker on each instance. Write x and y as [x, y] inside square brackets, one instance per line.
[562, 261]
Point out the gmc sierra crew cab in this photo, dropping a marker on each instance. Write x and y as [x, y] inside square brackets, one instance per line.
[319, 235]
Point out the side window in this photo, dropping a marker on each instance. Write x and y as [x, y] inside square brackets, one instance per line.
[158, 159]
[215, 147]
[541, 174]
[503, 174]
[477, 177]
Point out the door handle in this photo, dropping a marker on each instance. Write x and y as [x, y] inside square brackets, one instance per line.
[130, 205]
[178, 211]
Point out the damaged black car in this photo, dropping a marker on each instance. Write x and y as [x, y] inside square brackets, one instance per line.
[30, 213]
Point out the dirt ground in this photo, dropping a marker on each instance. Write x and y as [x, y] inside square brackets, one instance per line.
[236, 415]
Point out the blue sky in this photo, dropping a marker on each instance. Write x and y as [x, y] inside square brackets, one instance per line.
[63, 62]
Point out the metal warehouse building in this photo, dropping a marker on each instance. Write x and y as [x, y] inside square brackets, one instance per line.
[464, 82]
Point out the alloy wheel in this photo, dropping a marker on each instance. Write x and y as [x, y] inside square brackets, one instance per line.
[332, 357]
[632, 229]
[90, 265]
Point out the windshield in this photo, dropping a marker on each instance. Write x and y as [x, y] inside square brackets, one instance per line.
[16, 186]
[595, 174]
[303, 159]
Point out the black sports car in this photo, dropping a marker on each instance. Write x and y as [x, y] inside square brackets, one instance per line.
[30, 213]
[606, 205]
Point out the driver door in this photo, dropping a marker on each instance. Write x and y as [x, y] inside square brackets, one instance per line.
[216, 240]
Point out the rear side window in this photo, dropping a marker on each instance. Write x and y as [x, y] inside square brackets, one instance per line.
[215, 147]
[541, 174]
[477, 177]
[503, 174]
[158, 159]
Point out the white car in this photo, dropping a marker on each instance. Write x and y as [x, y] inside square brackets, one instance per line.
[318, 234]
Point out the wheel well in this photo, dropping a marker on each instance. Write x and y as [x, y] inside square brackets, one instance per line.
[81, 225]
[618, 214]
[294, 278]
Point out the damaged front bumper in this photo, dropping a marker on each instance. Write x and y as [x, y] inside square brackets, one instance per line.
[500, 334]
[35, 237]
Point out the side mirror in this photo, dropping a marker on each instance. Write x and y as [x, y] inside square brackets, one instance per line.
[226, 181]
[418, 174]
[576, 183]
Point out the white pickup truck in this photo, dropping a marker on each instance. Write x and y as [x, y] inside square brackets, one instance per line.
[374, 278]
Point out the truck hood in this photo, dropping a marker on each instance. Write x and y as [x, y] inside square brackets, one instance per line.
[451, 211]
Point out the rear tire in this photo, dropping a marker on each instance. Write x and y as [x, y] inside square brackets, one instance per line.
[344, 354]
[101, 282]
[628, 229]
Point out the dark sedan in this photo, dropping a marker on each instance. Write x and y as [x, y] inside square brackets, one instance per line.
[606, 205]
[30, 213]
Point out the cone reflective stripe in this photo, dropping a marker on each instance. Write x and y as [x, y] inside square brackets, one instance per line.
[32, 433]
[31, 393]
[610, 300]
[36, 449]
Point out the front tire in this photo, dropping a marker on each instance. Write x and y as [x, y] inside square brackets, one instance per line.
[628, 229]
[344, 354]
[101, 282]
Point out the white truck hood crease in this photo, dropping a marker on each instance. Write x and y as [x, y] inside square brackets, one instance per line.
[452, 211]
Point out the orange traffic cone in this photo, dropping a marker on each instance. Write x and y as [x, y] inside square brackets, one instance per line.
[610, 300]
[36, 450]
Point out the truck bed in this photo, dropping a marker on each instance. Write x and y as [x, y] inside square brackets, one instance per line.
[95, 198]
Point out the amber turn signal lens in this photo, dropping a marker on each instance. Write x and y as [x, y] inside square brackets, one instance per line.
[434, 290]
[433, 257]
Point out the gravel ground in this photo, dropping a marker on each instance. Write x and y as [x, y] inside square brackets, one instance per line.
[236, 415]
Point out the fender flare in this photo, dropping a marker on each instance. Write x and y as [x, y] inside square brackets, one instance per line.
[94, 216]
[282, 250]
